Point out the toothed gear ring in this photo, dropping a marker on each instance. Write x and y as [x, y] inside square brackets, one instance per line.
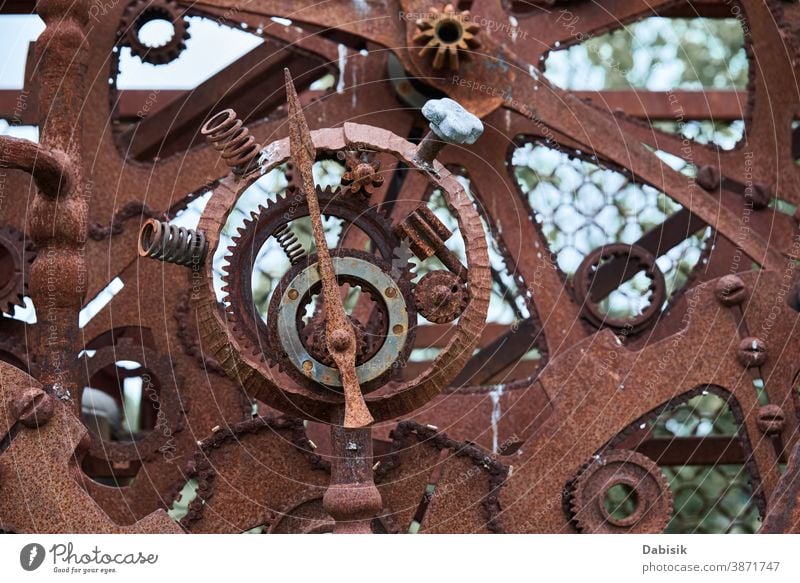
[621, 491]
[441, 296]
[141, 12]
[273, 220]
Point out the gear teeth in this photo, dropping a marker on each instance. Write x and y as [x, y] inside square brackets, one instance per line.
[377, 223]
[143, 10]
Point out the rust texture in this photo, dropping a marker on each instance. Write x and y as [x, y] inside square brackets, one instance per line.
[368, 393]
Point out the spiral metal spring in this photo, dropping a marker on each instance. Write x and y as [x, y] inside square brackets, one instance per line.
[171, 243]
[288, 241]
[239, 149]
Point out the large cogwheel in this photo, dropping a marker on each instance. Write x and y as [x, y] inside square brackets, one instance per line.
[273, 220]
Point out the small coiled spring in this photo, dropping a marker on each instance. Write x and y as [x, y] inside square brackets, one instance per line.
[239, 149]
[171, 243]
[288, 241]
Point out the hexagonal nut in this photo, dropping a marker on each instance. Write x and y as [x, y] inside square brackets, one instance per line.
[33, 407]
[451, 122]
[771, 419]
[730, 290]
[752, 352]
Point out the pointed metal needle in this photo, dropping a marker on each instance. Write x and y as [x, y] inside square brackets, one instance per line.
[339, 333]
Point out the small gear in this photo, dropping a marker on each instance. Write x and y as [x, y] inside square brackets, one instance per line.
[441, 296]
[646, 505]
[635, 258]
[139, 13]
[361, 174]
[16, 256]
[445, 34]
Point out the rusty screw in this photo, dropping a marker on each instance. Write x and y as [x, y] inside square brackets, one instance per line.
[771, 419]
[33, 408]
[709, 178]
[752, 352]
[730, 290]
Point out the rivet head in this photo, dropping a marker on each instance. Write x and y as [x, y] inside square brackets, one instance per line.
[390, 292]
[293, 294]
[33, 407]
[340, 340]
[709, 177]
[752, 352]
[730, 290]
[771, 419]
[308, 365]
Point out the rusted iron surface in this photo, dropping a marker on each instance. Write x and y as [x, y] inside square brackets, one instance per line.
[502, 441]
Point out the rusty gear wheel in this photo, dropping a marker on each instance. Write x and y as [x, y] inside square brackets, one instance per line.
[140, 13]
[590, 277]
[445, 34]
[646, 505]
[16, 256]
[441, 296]
[361, 174]
[271, 220]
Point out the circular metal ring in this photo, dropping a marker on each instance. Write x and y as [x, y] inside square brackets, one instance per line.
[634, 255]
[294, 296]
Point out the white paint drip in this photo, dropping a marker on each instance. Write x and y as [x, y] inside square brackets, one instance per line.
[514, 28]
[355, 84]
[342, 65]
[495, 394]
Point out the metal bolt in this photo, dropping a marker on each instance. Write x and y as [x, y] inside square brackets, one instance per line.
[390, 292]
[709, 178]
[761, 195]
[731, 290]
[771, 419]
[33, 408]
[340, 340]
[397, 329]
[308, 365]
[450, 123]
[752, 352]
[293, 293]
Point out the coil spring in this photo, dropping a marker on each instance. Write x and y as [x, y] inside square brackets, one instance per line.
[239, 149]
[171, 243]
[288, 241]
